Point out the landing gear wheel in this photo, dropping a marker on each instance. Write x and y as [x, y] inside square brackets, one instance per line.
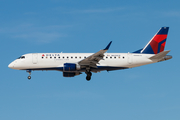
[29, 77]
[88, 78]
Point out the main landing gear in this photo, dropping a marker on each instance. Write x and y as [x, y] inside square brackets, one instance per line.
[89, 74]
[29, 71]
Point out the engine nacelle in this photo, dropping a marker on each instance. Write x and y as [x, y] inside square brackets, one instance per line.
[70, 74]
[71, 67]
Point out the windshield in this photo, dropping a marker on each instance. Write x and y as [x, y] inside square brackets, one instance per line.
[21, 57]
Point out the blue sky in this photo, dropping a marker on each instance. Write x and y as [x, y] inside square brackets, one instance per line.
[146, 92]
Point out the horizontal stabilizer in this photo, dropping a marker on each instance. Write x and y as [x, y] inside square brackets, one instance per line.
[160, 55]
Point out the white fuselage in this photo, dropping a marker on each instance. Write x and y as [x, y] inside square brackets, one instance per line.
[55, 61]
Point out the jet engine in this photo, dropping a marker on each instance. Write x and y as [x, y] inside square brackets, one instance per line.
[71, 67]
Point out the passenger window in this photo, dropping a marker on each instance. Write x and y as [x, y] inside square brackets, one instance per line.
[71, 57]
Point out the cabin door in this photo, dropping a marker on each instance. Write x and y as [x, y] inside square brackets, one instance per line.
[130, 58]
[34, 58]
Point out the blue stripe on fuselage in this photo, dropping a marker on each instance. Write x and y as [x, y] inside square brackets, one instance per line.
[100, 68]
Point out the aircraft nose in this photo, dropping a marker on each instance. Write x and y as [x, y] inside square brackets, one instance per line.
[11, 65]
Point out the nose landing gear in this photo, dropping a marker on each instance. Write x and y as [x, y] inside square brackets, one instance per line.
[29, 71]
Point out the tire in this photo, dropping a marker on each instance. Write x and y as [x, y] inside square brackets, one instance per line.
[88, 78]
[29, 77]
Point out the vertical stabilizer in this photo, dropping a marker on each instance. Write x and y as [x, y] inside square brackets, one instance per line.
[157, 43]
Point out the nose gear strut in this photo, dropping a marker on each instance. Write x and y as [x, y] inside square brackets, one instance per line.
[29, 71]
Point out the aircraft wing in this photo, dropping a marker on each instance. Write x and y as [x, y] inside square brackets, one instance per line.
[94, 59]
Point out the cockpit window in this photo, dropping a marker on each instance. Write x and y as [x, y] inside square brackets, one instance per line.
[21, 57]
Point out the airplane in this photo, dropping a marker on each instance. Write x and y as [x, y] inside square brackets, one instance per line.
[73, 64]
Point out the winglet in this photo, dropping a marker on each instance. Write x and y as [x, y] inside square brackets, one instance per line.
[107, 47]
